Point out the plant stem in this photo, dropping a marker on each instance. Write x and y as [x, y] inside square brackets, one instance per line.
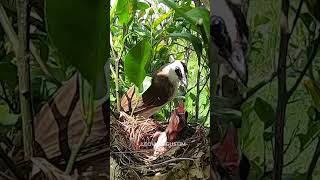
[198, 89]
[314, 160]
[282, 91]
[24, 79]
[75, 150]
[117, 84]
[87, 92]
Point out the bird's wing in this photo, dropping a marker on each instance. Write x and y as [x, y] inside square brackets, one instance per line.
[152, 99]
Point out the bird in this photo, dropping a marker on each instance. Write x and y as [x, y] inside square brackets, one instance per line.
[164, 86]
[228, 160]
[229, 35]
[177, 122]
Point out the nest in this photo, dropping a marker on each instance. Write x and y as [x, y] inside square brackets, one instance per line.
[133, 154]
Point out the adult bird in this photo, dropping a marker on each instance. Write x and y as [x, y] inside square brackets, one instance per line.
[229, 163]
[163, 88]
[229, 33]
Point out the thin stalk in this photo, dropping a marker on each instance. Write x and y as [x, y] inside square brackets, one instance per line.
[314, 160]
[117, 84]
[24, 79]
[198, 89]
[89, 116]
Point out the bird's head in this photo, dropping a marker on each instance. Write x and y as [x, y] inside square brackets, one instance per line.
[177, 72]
[177, 121]
[227, 155]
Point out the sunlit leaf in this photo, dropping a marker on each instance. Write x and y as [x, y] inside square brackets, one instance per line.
[194, 16]
[125, 10]
[142, 5]
[196, 43]
[135, 61]
[160, 19]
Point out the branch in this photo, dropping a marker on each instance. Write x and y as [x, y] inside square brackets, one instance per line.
[198, 89]
[296, 17]
[314, 160]
[282, 91]
[24, 79]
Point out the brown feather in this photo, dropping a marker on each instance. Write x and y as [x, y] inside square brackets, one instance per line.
[158, 94]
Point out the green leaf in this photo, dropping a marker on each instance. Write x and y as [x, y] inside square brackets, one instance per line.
[265, 112]
[159, 20]
[8, 73]
[79, 31]
[7, 119]
[195, 16]
[135, 61]
[126, 10]
[146, 83]
[142, 5]
[200, 15]
[261, 20]
[313, 131]
[196, 43]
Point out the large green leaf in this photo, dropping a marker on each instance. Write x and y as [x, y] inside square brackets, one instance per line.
[196, 43]
[194, 16]
[79, 31]
[200, 15]
[265, 112]
[135, 61]
[8, 73]
[160, 19]
[125, 10]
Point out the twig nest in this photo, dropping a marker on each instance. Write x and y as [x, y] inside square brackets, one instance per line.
[132, 148]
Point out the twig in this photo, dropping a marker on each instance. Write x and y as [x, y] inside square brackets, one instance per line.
[282, 91]
[314, 160]
[294, 132]
[117, 84]
[76, 149]
[198, 89]
[88, 107]
[296, 17]
[24, 79]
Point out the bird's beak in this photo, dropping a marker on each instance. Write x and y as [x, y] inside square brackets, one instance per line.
[184, 82]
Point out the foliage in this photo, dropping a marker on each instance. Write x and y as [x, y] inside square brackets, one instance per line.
[145, 35]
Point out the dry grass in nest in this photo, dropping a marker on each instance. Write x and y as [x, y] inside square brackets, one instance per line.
[139, 162]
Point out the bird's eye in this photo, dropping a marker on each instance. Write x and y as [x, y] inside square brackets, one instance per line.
[178, 72]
